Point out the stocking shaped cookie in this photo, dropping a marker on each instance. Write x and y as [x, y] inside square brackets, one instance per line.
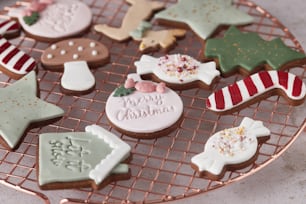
[52, 20]
[232, 149]
[81, 159]
[75, 56]
[9, 28]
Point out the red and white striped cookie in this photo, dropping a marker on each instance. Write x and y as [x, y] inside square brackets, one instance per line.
[256, 86]
[9, 28]
[14, 62]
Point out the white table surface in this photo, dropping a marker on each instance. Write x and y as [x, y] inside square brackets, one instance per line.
[282, 181]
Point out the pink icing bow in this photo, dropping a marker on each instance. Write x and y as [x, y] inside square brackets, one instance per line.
[145, 86]
[36, 6]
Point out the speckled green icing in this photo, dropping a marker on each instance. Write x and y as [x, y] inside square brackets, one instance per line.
[204, 16]
[73, 156]
[19, 107]
[248, 50]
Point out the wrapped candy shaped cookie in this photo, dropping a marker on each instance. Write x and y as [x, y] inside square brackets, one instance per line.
[75, 56]
[178, 71]
[230, 149]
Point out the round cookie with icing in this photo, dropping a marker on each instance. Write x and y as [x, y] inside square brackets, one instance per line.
[75, 56]
[178, 71]
[144, 109]
[52, 20]
[257, 87]
[230, 149]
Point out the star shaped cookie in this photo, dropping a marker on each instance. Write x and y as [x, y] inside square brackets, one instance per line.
[19, 107]
[203, 16]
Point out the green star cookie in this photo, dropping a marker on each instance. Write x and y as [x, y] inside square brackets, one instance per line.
[203, 16]
[19, 107]
[247, 52]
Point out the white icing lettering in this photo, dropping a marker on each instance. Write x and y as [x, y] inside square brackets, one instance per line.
[144, 100]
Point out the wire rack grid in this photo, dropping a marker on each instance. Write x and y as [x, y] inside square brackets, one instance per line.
[160, 167]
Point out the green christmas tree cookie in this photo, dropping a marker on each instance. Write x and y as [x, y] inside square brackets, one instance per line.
[248, 52]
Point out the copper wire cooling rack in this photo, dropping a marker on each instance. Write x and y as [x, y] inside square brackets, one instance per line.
[160, 168]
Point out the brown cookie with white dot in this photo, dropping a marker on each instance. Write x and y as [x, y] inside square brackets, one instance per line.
[75, 56]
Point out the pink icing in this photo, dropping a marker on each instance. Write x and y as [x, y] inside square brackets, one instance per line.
[129, 83]
[145, 86]
[36, 6]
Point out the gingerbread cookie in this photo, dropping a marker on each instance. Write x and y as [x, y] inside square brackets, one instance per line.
[9, 28]
[75, 56]
[178, 71]
[139, 11]
[52, 20]
[81, 159]
[133, 107]
[248, 52]
[230, 149]
[151, 40]
[202, 16]
[14, 62]
[20, 107]
[256, 87]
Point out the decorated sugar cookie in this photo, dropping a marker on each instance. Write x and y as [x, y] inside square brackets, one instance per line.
[178, 71]
[9, 28]
[81, 159]
[248, 52]
[230, 149]
[203, 16]
[255, 87]
[52, 20]
[14, 62]
[75, 56]
[20, 107]
[139, 11]
[144, 109]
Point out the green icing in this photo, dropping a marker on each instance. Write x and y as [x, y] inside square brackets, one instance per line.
[248, 50]
[19, 107]
[140, 30]
[66, 157]
[204, 16]
[32, 19]
[122, 91]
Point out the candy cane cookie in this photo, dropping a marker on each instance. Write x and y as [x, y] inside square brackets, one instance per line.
[14, 62]
[255, 87]
[9, 28]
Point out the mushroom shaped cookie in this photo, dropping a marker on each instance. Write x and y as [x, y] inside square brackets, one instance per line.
[75, 56]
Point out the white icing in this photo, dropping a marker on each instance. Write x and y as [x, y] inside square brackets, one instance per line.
[205, 72]
[136, 111]
[60, 19]
[77, 76]
[94, 53]
[80, 48]
[230, 147]
[49, 56]
[70, 43]
[75, 56]
[63, 52]
[92, 44]
[260, 90]
[53, 47]
[121, 152]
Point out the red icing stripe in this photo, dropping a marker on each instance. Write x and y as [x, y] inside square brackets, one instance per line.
[266, 79]
[21, 61]
[15, 26]
[4, 47]
[219, 98]
[10, 55]
[235, 93]
[297, 87]
[4, 23]
[208, 104]
[31, 67]
[283, 79]
[249, 84]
